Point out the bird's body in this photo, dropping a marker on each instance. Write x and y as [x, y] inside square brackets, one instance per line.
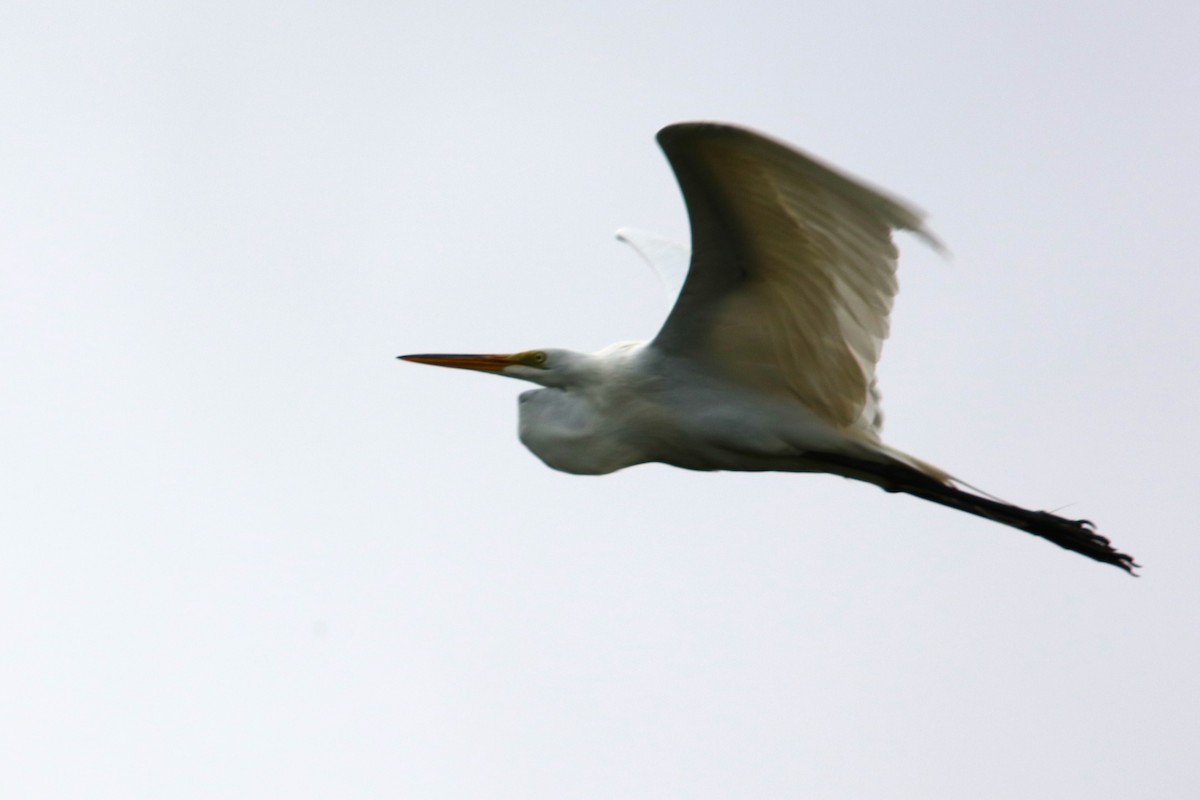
[767, 359]
[630, 404]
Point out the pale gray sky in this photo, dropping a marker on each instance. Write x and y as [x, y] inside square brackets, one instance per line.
[248, 554]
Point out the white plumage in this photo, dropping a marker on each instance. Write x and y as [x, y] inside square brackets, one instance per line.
[767, 360]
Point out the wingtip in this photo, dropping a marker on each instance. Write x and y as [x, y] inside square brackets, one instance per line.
[709, 128]
[932, 241]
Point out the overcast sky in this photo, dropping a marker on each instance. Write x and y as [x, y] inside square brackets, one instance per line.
[247, 553]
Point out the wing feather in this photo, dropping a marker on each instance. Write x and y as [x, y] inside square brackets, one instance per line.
[792, 274]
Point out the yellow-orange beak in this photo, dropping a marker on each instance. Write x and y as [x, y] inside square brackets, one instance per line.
[482, 363]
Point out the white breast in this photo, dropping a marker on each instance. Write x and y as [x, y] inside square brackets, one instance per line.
[567, 432]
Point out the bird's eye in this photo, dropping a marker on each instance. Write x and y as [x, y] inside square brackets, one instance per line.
[536, 359]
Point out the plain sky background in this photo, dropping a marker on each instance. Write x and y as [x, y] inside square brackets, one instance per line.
[246, 553]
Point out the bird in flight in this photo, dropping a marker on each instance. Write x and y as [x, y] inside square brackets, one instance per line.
[767, 360]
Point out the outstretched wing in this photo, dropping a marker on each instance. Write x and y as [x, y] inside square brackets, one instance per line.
[666, 257]
[792, 274]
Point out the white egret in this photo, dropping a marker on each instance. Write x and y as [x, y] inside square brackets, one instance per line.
[767, 360]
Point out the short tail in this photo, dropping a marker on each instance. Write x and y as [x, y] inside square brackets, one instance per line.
[1079, 536]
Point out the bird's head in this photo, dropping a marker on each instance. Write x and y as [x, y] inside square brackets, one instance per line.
[548, 367]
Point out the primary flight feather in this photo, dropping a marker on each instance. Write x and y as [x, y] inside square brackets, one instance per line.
[767, 360]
